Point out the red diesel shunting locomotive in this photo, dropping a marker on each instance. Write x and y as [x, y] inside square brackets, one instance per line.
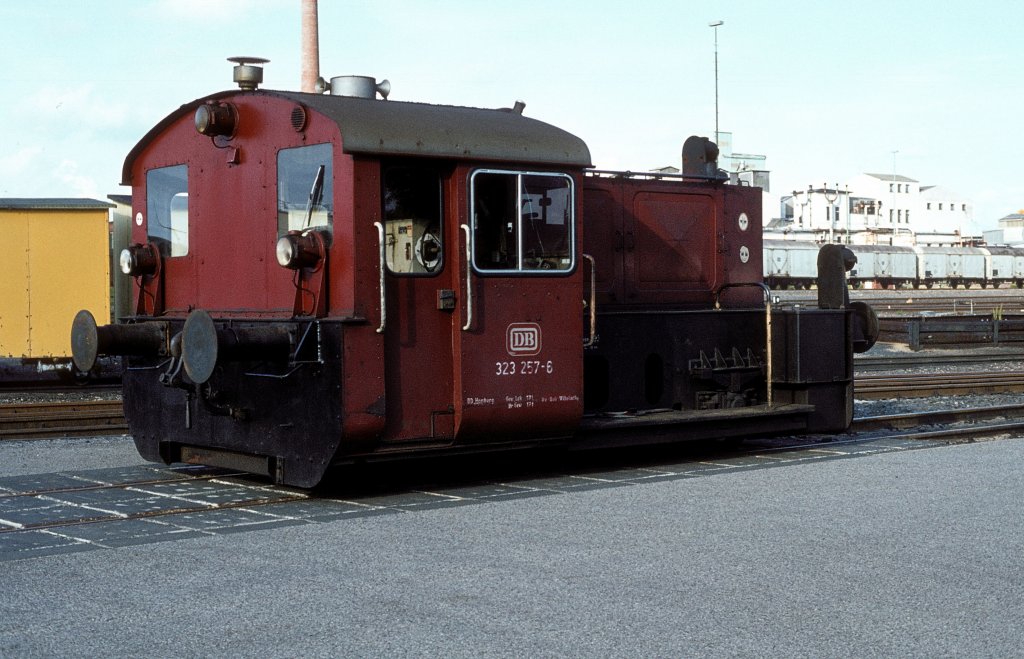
[322, 279]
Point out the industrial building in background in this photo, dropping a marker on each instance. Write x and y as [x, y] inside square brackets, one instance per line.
[875, 209]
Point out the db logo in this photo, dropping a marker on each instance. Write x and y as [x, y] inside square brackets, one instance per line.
[522, 339]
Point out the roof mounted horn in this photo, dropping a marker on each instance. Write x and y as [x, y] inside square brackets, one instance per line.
[355, 86]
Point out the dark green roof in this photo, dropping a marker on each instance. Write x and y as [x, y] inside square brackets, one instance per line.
[396, 128]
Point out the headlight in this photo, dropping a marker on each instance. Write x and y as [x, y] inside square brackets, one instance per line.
[138, 260]
[297, 250]
[213, 119]
[127, 261]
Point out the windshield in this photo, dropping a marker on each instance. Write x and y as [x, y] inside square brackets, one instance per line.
[305, 188]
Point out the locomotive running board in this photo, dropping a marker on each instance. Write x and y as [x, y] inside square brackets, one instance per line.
[658, 427]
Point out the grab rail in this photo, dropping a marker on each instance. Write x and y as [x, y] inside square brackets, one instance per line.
[383, 266]
[593, 302]
[469, 282]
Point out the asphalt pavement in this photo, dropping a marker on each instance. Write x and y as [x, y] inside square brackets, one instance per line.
[895, 553]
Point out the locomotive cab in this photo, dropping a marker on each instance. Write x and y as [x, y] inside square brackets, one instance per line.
[334, 278]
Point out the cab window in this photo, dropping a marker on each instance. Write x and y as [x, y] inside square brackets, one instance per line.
[167, 209]
[522, 221]
[305, 188]
[411, 199]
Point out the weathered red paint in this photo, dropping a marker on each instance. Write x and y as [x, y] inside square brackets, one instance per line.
[421, 372]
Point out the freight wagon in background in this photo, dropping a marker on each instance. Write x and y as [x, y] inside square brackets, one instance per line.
[790, 263]
[793, 264]
[56, 261]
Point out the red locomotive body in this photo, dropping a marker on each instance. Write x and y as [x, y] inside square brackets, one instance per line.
[323, 279]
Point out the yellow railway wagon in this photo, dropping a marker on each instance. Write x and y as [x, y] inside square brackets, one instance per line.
[56, 261]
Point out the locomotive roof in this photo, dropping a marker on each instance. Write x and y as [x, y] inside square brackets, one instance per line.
[396, 128]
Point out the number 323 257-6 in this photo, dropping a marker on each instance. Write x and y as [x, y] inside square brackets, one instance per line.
[524, 367]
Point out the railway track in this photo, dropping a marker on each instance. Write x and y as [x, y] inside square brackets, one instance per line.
[1003, 418]
[180, 498]
[918, 385]
[44, 420]
[868, 362]
[912, 301]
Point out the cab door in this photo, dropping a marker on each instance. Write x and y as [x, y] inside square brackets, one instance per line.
[419, 301]
[518, 348]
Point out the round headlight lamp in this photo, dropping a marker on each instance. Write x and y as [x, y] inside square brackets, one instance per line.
[216, 119]
[296, 250]
[138, 260]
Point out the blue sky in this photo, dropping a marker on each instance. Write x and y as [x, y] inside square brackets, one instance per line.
[825, 90]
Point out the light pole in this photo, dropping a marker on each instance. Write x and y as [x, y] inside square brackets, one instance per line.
[848, 203]
[716, 25]
[892, 189]
[830, 199]
[810, 211]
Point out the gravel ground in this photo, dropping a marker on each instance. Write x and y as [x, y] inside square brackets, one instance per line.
[84, 394]
[864, 408]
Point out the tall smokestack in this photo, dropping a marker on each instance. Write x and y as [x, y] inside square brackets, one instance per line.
[310, 46]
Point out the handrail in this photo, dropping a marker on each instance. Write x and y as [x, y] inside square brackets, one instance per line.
[383, 267]
[767, 326]
[593, 302]
[469, 282]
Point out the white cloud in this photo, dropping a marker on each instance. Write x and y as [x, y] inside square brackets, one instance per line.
[77, 106]
[80, 185]
[15, 164]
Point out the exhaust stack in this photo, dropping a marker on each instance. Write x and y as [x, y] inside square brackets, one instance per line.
[310, 47]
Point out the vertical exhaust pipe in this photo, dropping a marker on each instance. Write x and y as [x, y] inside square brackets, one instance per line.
[310, 47]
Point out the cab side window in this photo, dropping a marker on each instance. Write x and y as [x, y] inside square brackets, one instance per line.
[167, 209]
[522, 221]
[412, 209]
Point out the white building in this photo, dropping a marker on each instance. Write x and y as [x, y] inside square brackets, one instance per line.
[875, 208]
[943, 211]
[743, 168]
[1010, 231]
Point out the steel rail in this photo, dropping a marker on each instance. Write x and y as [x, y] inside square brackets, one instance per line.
[61, 419]
[910, 360]
[936, 384]
[910, 420]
